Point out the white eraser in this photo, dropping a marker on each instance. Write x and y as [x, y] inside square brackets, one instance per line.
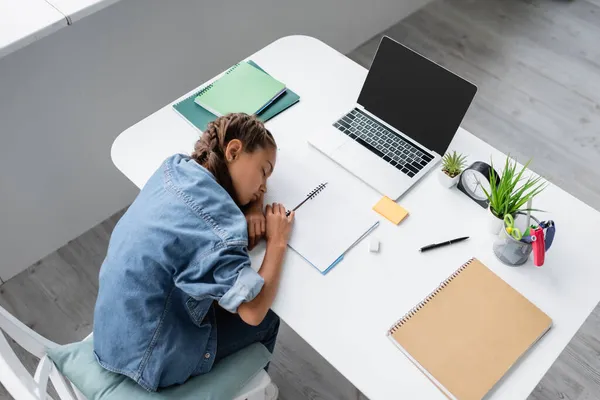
[373, 245]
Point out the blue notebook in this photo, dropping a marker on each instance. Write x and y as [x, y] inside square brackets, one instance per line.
[200, 117]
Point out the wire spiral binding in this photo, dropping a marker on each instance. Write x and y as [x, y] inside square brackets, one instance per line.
[204, 90]
[316, 191]
[208, 87]
[427, 299]
[232, 68]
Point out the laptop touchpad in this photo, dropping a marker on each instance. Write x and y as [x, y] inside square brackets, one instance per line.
[328, 140]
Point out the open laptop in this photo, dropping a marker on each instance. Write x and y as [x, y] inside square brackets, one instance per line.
[406, 115]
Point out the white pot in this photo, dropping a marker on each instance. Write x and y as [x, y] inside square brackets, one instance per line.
[445, 180]
[495, 224]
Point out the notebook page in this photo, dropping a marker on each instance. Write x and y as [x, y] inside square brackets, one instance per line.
[326, 226]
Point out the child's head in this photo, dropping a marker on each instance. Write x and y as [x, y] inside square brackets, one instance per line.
[240, 152]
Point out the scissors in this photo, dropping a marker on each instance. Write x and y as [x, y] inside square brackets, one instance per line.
[509, 222]
[549, 228]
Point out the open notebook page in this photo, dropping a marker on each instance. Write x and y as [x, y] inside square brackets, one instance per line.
[326, 226]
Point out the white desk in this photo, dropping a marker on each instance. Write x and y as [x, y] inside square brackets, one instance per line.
[345, 314]
[24, 21]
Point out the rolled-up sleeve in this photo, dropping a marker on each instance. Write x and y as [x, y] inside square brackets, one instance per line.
[246, 287]
[224, 275]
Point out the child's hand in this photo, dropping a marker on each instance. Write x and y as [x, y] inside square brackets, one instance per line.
[257, 224]
[279, 225]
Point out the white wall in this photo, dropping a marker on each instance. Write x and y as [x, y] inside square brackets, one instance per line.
[65, 98]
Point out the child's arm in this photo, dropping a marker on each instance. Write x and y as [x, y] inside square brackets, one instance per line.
[278, 231]
[256, 222]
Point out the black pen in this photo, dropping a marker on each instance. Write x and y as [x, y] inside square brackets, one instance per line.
[309, 196]
[436, 245]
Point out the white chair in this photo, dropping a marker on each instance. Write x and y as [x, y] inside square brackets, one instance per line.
[22, 386]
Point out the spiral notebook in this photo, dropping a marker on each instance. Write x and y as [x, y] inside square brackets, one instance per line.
[243, 88]
[199, 117]
[329, 222]
[469, 331]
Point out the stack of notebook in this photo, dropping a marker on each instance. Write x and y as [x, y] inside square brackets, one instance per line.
[243, 88]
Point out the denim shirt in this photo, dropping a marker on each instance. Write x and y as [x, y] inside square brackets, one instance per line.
[180, 246]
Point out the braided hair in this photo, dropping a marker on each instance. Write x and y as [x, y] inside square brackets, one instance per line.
[209, 150]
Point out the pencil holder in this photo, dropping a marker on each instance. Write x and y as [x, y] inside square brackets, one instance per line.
[511, 251]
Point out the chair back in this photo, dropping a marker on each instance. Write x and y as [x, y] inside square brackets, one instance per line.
[14, 376]
[23, 386]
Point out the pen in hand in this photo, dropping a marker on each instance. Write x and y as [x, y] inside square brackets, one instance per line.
[309, 196]
[442, 244]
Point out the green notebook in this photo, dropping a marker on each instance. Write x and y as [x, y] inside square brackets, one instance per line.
[200, 117]
[242, 89]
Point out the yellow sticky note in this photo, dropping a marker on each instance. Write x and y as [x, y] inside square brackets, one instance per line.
[390, 210]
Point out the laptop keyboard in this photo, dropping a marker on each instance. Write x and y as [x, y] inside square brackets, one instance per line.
[389, 146]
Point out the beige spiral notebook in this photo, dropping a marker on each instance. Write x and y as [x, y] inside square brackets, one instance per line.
[469, 331]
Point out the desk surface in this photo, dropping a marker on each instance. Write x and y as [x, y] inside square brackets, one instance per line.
[345, 315]
[24, 21]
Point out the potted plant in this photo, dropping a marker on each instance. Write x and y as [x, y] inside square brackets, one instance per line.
[511, 192]
[452, 165]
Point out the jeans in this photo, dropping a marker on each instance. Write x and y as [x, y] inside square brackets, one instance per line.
[233, 334]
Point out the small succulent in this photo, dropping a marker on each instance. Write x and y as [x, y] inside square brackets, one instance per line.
[453, 163]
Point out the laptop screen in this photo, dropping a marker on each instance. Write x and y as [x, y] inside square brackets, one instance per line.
[421, 99]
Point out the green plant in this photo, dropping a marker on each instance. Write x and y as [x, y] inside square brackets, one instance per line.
[511, 191]
[453, 163]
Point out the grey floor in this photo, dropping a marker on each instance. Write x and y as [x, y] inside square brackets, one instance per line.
[537, 65]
